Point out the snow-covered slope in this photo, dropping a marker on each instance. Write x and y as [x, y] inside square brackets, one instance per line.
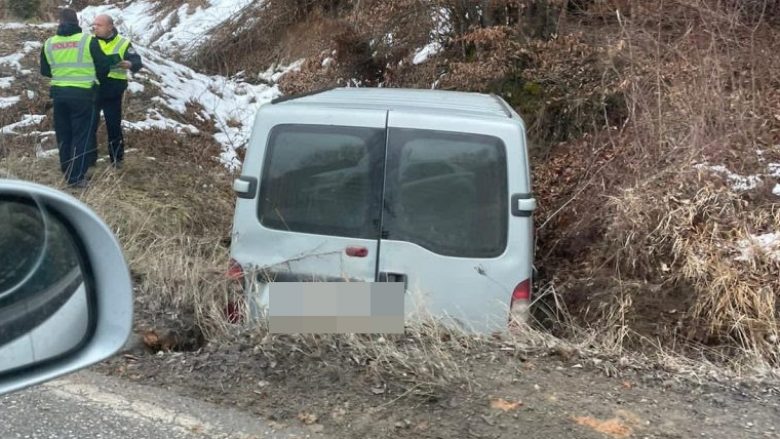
[172, 33]
[230, 103]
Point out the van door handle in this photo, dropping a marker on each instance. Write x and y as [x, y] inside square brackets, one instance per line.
[385, 276]
[523, 205]
[245, 187]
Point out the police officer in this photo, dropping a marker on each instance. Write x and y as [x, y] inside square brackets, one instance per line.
[112, 90]
[76, 64]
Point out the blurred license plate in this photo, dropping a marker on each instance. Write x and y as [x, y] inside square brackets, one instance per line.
[336, 307]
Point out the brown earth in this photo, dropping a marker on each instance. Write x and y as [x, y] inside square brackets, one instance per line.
[508, 394]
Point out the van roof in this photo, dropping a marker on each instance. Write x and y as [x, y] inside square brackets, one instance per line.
[464, 103]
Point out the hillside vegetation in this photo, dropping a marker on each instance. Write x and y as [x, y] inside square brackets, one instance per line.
[656, 142]
[655, 130]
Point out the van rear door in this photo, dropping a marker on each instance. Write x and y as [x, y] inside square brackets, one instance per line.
[317, 213]
[446, 227]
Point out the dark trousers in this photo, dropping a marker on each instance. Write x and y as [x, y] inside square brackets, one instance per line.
[74, 124]
[112, 112]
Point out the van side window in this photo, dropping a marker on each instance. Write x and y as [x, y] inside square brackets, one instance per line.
[447, 192]
[323, 179]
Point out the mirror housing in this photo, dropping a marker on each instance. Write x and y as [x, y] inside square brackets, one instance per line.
[107, 284]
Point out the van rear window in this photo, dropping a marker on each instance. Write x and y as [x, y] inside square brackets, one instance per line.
[447, 192]
[323, 179]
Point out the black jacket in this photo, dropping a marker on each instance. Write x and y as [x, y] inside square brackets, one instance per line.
[112, 87]
[101, 61]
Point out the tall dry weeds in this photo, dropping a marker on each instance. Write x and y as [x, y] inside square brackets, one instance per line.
[172, 219]
[173, 225]
[635, 243]
[428, 361]
[700, 89]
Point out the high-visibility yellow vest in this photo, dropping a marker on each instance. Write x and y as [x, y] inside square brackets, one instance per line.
[117, 46]
[70, 61]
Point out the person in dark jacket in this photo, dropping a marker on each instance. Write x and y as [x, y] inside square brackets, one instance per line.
[113, 89]
[76, 64]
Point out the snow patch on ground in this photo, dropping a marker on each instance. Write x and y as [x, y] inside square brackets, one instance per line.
[743, 183]
[767, 243]
[135, 87]
[426, 52]
[6, 102]
[177, 32]
[736, 181]
[15, 26]
[276, 71]
[231, 104]
[13, 59]
[44, 154]
[774, 170]
[43, 134]
[27, 121]
[434, 47]
[158, 121]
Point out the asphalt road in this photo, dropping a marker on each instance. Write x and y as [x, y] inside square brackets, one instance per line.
[89, 405]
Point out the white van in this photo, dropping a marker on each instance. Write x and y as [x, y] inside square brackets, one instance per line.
[426, 187]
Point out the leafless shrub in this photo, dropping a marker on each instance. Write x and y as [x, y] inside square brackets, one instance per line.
[696, 92]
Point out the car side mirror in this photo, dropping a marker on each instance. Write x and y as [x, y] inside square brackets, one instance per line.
[65, 290]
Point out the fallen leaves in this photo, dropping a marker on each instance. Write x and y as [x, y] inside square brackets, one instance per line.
[151, 339]
[502, 404]
[165, 341]
[613, 427]
[307, 418]
[310, 419]
[620, 427]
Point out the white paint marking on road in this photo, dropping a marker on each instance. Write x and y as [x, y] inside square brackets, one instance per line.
[137, 410]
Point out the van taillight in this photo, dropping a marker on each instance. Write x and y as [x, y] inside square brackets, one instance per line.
[233, 311]
[520, 304]
[235, 271]
[522, 291]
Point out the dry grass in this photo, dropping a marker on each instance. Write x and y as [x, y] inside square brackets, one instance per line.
[174, 232]
[173, 221]
[637, 248]
[688, 237]
[659, 241]
[258, 37]
[426, 362]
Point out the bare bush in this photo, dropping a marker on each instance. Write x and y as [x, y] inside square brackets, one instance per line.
[170, 209]
[696, 93]
[24, 9]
